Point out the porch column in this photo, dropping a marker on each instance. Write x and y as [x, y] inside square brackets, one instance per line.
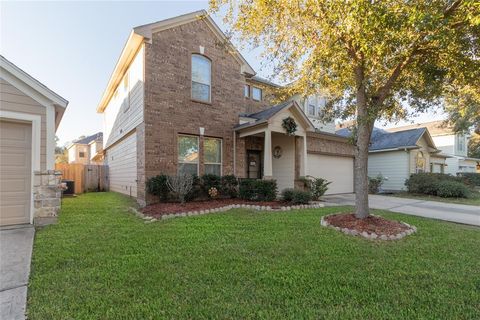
[305, 169]
[267, 155]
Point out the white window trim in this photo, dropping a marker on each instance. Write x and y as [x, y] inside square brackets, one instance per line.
[36, 135]
[191, 79]
[249, 91]
[261, 93]
[198, 148]
[221, 154]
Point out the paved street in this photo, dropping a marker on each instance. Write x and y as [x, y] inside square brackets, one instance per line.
[430, 209]
[15, 256]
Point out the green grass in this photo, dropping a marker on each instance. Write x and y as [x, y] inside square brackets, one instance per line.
[101, 262]
[473, 199]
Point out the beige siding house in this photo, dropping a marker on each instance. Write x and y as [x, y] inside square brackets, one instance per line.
[29, 116]
[396, 155]
[453, 144]
[87, 150]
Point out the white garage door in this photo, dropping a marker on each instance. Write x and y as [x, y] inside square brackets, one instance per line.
[122, 166]
[338, 170]
[15, 172]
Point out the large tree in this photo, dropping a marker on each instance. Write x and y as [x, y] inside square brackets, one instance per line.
[371, 59]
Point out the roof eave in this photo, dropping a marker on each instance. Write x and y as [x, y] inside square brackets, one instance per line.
[129, 51]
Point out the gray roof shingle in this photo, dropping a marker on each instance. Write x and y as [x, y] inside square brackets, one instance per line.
[87, 140]
[383, 140]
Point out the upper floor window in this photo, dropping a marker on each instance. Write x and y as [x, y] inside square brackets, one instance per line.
[81, 154]
[188, 154]
[460, 143]
[201, 78]
[311, 109]
[256, 94]
[247, 91]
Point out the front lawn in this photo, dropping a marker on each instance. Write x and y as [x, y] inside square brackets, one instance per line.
[473, 199]
[101, 262]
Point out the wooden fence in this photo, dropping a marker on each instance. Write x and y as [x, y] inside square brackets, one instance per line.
[87, 178]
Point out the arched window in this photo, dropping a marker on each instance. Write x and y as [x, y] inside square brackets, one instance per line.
[419, 162]
[201, 78]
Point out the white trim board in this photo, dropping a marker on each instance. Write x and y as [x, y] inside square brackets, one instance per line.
[35, 120]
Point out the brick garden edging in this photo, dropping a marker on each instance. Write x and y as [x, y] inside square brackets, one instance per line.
[370, 236]
[149, 219]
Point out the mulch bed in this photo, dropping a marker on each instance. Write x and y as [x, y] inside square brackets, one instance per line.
[371, 224]
[159, 209]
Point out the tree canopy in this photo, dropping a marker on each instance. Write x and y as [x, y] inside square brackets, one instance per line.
[418, 53]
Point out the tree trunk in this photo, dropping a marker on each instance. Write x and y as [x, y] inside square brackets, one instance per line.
[361, 170]
[364, 126]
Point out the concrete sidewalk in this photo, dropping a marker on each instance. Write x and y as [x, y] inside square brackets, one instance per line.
[15, 256]
[459, 213]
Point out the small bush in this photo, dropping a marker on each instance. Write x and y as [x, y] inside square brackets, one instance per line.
[294, 196]
[158, 186]
[374, 184]
[181, 185]
[470, 178]
[230, 186]
[428, 183]
[316, 186]
[258, 190]
[452, 189]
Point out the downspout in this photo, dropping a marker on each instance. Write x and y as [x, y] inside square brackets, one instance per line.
[234, 153]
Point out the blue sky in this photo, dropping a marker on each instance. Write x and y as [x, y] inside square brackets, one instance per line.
[72, 48]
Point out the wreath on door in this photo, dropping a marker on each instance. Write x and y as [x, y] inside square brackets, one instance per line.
[289, 125]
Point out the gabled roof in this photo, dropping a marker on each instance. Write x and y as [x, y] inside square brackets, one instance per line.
[264, 81]
[265, 115]
[384, 140]
[144, 33]
[16, 76]
[435, 128]
[94, 137]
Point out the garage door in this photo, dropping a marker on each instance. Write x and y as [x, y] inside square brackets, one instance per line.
[15, 172]
[338, 170]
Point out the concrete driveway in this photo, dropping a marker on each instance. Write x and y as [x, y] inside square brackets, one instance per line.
[459, 213]
[15, 256]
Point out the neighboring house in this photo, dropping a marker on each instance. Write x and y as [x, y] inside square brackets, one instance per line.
[29, 116]
[88, 150]
[182, 99]
[453, 144]
[396, 155]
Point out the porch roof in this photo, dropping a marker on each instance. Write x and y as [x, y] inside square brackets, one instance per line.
[263, 117]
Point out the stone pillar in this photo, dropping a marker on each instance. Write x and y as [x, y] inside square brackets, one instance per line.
[267, 156]
[47, 193]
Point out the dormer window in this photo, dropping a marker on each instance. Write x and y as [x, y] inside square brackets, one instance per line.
[201, 78]
[256, 94]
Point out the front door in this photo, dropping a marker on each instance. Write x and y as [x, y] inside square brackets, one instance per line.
[254, 164]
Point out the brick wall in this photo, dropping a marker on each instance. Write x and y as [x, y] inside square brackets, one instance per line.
[169, 109]
[326, 144]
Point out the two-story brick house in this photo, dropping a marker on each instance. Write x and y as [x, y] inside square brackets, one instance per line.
[182, 99]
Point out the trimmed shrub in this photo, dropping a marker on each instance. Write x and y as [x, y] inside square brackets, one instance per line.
[158, 186]
[230, 186]
[428, 183]
[258, 190]
[471, 178]
[295, 196]
[374, 184]
[452, 189]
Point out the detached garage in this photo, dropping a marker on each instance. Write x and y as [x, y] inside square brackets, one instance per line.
[29, 116]
[331, 157]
